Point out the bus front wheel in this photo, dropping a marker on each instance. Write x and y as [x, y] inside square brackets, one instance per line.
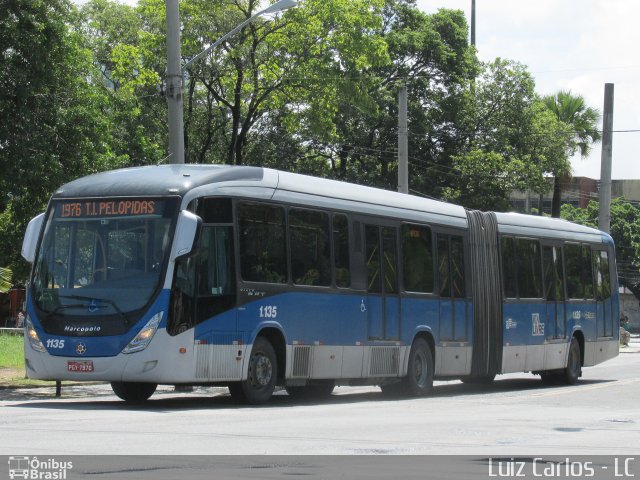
[573, 372]
[133, 391]
[419, 380]
[262, 375]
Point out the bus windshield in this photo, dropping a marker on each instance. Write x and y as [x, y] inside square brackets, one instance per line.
[102, 257]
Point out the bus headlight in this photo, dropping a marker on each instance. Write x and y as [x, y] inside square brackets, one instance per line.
[32, 335]
[142, 339]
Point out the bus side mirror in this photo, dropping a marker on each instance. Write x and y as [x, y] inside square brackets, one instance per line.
[30, 241]
[186, 234]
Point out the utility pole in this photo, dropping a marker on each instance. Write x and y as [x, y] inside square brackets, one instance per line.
[174, 83]
[403, 143]
[604, 215]
[473, 22]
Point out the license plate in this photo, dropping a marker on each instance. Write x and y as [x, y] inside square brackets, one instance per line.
[83, 366]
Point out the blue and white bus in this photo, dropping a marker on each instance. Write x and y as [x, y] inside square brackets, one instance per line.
[254, 278]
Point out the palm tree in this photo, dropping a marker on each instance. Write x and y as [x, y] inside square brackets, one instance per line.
[582, 120]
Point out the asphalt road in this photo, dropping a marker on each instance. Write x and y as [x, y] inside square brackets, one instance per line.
[517, 415]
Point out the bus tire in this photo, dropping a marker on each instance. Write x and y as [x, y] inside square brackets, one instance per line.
[419, 379]
[262, 374]
[318, 389]
[134, 392]
[573, 371]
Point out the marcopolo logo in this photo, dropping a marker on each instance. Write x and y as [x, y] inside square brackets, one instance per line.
[35, 469]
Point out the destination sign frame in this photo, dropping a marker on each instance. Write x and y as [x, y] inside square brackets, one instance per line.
[109, 208]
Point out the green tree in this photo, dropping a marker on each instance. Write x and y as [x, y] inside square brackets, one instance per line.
[511, 140]
[573, 111]
[51, 124]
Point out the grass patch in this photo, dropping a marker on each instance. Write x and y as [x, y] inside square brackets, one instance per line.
[12, 351]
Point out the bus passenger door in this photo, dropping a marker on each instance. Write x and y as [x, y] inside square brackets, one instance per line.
[600, 262]
[453, 302]
[382, 282]
[554, 292]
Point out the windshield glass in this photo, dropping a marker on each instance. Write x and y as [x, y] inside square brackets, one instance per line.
[102, 257]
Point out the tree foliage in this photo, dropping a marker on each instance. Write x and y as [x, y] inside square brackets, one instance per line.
[313, 90]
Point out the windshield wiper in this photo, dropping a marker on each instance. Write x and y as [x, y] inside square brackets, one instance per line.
[105, 300]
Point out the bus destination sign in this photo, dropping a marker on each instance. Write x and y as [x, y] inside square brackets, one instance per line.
[108, 208]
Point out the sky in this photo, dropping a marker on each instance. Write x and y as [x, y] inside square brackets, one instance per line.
[576, 45]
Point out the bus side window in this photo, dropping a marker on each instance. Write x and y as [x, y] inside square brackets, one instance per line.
[601, 273]
[310, 247]
[417, 258]
[509, 268]
[573, 266]
[262, 243]
[443, 266]
[587, 273]
[606, 276]
[341, 251]
[215, 272]
[529, 268]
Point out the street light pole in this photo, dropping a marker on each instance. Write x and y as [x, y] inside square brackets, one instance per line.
[175, 73]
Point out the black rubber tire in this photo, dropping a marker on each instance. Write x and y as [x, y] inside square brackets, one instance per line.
[134, 392]
[419, 379]
[318, 389]
[262, 376]
[573, 370]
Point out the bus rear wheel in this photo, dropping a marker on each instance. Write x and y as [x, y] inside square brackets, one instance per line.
[262, 375]
[133, 391]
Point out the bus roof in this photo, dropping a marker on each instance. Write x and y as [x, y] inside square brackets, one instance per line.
[158, 180]
[190, 180]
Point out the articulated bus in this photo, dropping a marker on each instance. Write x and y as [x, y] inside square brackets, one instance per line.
[253, 278]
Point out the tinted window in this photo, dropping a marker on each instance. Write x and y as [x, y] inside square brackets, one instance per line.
[457, 267]
[341, 250]
[553, 274]
[579, 271]
[601, 273]
[310, 247]
[529, 268]
[262, 243]
[372, 241]
[509, 271]
[417, 258]
[443, 266]
[215, 210]
[390, 267]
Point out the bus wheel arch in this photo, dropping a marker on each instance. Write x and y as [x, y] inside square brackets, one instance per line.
[278, 342]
